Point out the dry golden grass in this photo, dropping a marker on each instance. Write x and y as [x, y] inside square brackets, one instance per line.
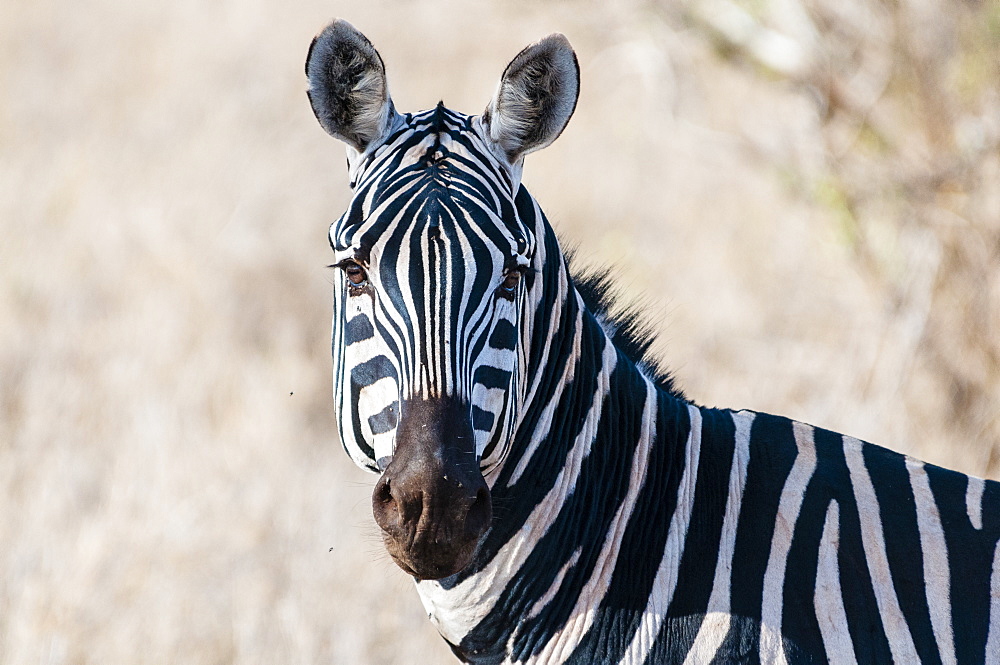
[172, 487]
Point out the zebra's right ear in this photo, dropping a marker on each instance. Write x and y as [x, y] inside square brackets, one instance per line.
[536, 97]
[347, 86]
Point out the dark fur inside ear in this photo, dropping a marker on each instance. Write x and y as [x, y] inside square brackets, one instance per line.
[536, 97]
[347, 86]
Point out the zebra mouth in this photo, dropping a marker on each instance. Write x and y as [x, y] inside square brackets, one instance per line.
[431, 563]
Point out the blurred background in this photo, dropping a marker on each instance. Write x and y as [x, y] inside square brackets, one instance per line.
[804, 195]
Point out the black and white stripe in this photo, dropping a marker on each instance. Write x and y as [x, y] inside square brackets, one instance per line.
[630, 525]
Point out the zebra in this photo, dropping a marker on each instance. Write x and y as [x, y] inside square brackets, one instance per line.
[553, 494]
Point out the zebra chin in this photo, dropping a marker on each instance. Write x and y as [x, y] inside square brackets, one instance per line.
[432, 503]
[431, 562]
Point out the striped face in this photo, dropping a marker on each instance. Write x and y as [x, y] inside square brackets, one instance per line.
[429, 295]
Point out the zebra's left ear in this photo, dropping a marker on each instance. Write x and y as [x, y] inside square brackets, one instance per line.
[536, 97]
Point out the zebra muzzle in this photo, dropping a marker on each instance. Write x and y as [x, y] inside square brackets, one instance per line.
[432, 502]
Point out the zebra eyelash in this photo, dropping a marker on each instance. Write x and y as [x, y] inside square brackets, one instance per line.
[346, 262]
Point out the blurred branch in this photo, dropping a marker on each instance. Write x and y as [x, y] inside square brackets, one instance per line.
[908, 96]
[735, 29]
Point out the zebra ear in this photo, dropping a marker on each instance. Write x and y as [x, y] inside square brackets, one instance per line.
[347, 86]
[536, 97]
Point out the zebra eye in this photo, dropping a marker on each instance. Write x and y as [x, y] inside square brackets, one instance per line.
[356, 275]
[510, 281]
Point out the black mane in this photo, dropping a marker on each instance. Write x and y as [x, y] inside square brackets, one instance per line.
[630, 332]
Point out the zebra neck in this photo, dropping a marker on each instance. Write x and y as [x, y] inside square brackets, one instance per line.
[574, 475]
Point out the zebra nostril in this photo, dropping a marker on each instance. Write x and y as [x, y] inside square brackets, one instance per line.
[477, 521]
[385, 508]
[383, 492]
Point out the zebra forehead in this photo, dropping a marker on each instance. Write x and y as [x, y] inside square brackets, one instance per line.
[444, 192]
[435, 211]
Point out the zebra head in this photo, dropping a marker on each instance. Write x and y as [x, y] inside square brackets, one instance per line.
[432, 304]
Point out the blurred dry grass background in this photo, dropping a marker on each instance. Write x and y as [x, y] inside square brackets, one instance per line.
[805, 195]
